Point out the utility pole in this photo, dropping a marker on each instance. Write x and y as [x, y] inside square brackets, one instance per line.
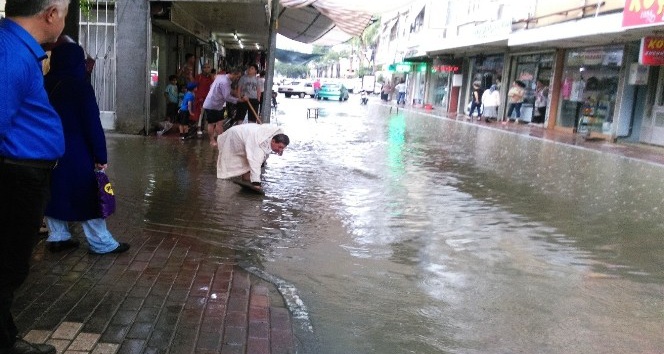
[266, 106]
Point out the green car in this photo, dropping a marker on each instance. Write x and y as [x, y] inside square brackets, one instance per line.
[333, 92]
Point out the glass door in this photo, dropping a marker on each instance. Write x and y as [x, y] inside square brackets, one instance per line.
[653, 127]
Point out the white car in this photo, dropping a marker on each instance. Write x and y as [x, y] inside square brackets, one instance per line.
[298, 88]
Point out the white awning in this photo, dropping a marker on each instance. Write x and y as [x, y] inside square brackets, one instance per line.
[300, 20]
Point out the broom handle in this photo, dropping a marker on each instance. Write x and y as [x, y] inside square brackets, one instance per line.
[254, 112]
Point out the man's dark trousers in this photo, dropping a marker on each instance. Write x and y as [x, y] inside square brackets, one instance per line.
[24, 192]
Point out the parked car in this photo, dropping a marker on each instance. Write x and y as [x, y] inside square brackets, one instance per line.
[298, 88]
[335, 91]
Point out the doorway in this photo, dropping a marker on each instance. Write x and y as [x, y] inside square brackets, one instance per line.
[652, 131]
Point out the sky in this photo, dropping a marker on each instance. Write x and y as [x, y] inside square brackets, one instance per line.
[289, 44]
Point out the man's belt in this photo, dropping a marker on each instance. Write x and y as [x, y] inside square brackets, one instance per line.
[44, 164]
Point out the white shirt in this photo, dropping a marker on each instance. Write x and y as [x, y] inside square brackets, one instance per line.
[243, 148]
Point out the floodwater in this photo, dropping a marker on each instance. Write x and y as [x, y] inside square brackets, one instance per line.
[407, 233]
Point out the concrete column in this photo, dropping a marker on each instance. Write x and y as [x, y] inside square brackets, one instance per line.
[132, 71]
[269, 75]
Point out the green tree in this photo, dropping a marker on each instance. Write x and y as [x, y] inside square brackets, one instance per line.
[291, 70]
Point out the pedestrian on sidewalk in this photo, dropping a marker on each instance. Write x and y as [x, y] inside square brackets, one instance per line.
[31, 142]
[476, 101]
[491, 102]
[74, 191]
[541, 101]
[400, 88]
[515, 100]
[244, 148]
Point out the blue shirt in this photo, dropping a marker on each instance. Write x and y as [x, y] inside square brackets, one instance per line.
[172, 93]
[29, 126]
[188, 97]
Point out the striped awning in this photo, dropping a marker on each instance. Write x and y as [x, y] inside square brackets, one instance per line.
[344, 16]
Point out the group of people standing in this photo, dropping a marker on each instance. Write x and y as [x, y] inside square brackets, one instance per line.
[486, 102]
[399, 89]
[212, 98]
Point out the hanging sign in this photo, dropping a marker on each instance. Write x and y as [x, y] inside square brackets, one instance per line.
[652, 51]
[446, 65]
[642, 13]
[400, 67]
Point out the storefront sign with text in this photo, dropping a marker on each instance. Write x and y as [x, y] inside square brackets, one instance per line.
[643, 13]
[652, 51]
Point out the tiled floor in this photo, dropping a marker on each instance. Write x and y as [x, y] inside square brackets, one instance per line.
[69, 339]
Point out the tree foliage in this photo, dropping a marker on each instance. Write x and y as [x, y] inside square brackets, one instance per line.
[360, 47]
[291, 70]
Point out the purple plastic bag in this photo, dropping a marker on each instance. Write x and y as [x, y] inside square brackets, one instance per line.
[106, 196]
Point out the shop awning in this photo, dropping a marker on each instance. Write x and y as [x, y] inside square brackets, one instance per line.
[324, 21]
[309, 20]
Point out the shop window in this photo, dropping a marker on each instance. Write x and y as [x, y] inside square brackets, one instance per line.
[589, 88]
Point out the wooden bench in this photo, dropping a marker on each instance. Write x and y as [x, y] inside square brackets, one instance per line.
[312, 112]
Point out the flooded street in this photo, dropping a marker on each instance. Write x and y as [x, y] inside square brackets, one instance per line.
[407, 233]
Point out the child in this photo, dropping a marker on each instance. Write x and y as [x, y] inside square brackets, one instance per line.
[171, 94]
[185, 114]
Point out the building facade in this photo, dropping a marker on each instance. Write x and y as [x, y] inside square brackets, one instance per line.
[597, 61]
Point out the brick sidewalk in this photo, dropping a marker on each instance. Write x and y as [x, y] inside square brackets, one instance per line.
[167, 294]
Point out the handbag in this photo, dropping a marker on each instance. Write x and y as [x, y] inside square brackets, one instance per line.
[106, 195]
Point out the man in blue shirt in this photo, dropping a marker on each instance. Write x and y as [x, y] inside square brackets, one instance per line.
[31, 141]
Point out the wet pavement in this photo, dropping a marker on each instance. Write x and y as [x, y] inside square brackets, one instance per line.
[380, 232]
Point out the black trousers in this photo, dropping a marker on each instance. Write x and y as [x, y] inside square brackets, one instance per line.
[243, 108]
[24, 192]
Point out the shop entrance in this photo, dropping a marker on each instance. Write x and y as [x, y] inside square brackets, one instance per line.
[531, 69]
[653, 126]
[589, 89]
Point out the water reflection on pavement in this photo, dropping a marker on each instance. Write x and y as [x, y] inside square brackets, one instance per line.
[408, 233]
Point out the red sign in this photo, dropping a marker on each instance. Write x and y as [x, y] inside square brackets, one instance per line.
[446, 68]
[642, 13]
[652, 51]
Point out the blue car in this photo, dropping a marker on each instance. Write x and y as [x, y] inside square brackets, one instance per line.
[333, 92]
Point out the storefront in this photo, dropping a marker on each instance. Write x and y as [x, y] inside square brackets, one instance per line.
[442, 71]
[589, 89]
[529, 69]
[485, 70]
[417, 85]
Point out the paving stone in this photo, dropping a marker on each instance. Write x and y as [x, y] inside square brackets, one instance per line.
[236, 319]
[67, 330]
[209, 341]
[259, 330]
[105, 348]
[59, 344]
[258, 346]
[84, 341]
[115, 334]
[235, 335]
[131, 346]
[232, 349]
[140, 330]
[37, 336]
